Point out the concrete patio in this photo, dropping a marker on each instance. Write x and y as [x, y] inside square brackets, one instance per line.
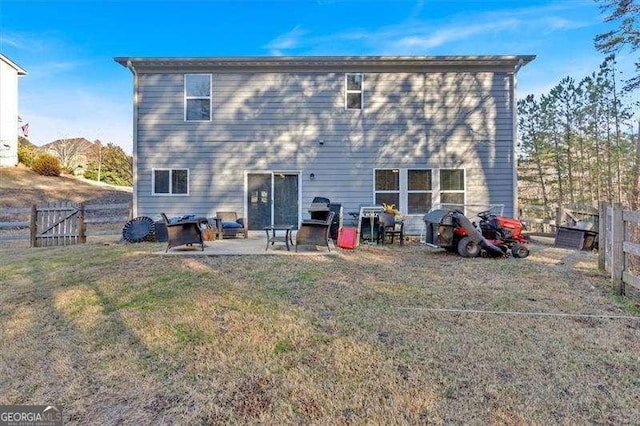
[254, 245]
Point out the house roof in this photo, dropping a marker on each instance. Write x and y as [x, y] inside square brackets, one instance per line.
[12, 65]
[310, 63]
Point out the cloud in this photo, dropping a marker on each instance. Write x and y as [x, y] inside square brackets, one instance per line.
[10, 41]
[559, 23]
[415, 36]
[47, 69]
[32, 42]
[43, 54]
[287, 41]
[448, 35]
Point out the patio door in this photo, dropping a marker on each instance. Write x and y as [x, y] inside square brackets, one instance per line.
[273, 198]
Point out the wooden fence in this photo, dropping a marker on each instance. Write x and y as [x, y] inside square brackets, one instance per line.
[62, 223]
[57, 224]
[616, 247]
[544, 221]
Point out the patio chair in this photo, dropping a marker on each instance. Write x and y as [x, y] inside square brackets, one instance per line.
[389, 228]
[315, 232]
[229, 225]
[185, 232]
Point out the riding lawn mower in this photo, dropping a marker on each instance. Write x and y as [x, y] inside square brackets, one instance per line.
[491, 236]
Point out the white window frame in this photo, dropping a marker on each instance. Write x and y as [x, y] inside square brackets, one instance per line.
[398, 191]
[347, 91]
[404, 187]
[170, 193]
[453, 191]
[186, 98]
[418, 191]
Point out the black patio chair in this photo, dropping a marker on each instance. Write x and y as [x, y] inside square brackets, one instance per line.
[389, 228]
[183, 232]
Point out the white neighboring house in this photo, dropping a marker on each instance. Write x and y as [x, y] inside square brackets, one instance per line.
[9, 72]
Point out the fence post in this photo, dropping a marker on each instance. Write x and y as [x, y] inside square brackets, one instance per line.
[130, 209]
[33, 225]
[82, 227]
[602, 238]
[617, 253]
[559, 213]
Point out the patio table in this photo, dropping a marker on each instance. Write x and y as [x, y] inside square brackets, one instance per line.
[273, 237]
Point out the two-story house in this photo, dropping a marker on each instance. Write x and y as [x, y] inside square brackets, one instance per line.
[265, 135]
[9, 73]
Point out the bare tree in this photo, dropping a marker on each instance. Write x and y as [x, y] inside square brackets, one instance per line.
[70, 152]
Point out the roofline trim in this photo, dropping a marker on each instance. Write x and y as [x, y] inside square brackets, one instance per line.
[13, 65]
[324, 61]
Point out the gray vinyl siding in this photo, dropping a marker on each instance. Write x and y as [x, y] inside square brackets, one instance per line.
[275, 122]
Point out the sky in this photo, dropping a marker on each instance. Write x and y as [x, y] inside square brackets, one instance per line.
[75, 89]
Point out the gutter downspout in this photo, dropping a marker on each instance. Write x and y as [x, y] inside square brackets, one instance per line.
[134, 206]
[514, 110]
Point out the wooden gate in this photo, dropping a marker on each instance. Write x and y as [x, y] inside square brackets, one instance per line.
[57, 224]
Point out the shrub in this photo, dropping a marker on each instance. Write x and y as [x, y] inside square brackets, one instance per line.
[108, 176]
[27, 154]
[47, 165]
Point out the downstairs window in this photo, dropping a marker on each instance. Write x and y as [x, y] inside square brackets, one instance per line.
[170, 182]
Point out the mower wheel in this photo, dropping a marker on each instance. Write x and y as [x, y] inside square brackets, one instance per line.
[519, 251]
[468, 248]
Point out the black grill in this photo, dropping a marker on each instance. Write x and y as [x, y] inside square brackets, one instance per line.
[320, 209]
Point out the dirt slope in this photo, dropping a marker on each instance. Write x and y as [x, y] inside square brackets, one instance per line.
[21, 187]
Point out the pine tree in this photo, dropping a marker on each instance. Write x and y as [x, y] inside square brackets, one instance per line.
[533, 147]
[626, 14]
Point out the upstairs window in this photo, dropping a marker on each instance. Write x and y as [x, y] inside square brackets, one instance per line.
[353, 91]
[170, 182]
[197, 97]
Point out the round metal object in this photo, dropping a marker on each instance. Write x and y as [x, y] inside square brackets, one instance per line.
[139, 229]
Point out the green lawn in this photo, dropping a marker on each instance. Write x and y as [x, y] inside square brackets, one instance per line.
[120, 334]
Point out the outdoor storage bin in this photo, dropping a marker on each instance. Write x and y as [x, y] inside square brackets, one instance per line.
[348, 238]
[439, 227]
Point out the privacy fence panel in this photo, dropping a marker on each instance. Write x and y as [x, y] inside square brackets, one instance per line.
[619, 247]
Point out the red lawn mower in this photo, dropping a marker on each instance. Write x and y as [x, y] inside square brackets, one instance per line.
[491, 236]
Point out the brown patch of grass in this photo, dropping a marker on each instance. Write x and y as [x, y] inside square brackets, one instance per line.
[116, 334]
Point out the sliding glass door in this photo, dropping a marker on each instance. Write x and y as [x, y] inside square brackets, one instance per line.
[273, 199]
